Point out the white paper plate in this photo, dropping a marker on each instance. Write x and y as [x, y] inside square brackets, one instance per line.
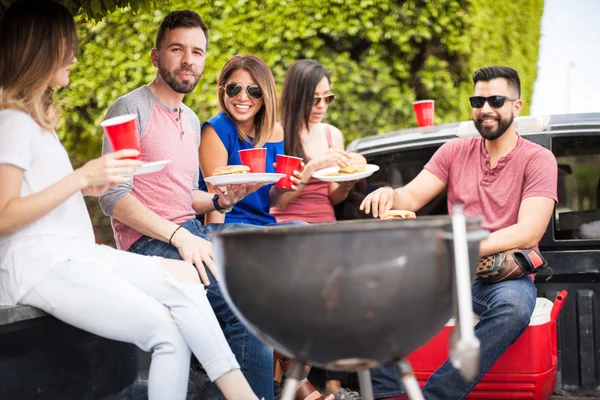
[233, 179]
[323, 174]
[149, 167]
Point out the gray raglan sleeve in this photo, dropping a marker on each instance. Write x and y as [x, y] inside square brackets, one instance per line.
[122, 106]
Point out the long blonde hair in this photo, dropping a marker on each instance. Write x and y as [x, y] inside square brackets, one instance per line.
[266, 118]
[36, 39]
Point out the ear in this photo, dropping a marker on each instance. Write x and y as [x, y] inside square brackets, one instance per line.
[154, 57]
[517, 106]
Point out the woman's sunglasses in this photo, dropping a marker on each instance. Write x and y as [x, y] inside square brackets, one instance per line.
[493, 101]
[328, 99]
[233, 89]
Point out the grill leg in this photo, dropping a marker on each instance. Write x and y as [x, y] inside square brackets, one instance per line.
[464, 351]
[292, 379]
[364, 381]
[409, 380]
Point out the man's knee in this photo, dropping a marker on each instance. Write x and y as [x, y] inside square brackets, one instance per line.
[520, 314]
[517, 303]
[510, 302]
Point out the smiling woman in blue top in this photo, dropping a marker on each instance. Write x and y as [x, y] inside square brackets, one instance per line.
[248, 100]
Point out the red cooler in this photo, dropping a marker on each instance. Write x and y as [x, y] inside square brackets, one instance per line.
[526, 371]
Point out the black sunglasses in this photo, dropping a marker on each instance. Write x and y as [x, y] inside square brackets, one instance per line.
[493, 101]
[328, 99]
[233, 89]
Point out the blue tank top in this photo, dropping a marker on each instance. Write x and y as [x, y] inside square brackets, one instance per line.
[254, 208]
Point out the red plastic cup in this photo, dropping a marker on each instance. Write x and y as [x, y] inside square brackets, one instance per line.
[286, 165]
[122, 133]
[424, 112]
[256, 159]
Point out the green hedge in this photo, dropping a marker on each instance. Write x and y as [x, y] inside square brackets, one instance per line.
[95, 9]
[382, 54]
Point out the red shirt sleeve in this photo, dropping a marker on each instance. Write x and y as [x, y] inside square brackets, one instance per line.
[541, 176]
[439, 165]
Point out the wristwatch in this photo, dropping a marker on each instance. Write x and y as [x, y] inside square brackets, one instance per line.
[218, 207]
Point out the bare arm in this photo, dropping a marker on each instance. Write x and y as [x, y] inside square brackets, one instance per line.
[17, 211]
[283, 197]
[338, 192]
[418, 192]
[280, 196]
[212, 154]
[193, 249]
[336, 154]
[412, 196]
[534, 215]
[133, 213]
[202, 202]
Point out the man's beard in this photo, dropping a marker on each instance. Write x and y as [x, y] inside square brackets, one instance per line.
[183, 87]
[487, 132]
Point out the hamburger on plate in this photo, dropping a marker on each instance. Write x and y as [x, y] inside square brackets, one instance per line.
[358, 164]
[397, 214]
[231, 169]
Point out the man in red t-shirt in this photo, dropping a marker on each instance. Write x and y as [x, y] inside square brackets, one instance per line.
[508, 180]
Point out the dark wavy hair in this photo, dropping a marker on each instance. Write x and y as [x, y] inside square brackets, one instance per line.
[297, 98]
[488, 73]
[180, 19]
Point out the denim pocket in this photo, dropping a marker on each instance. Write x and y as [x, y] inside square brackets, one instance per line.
[139, 245]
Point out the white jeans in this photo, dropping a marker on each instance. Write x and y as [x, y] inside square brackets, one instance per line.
[122, 296]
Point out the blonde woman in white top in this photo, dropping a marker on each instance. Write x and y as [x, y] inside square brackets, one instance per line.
[48, 256]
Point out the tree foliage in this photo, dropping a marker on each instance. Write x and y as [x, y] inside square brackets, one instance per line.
[97, 9]
[383, 55]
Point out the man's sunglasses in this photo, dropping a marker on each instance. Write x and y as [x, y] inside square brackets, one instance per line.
[233, 89]
[493, 101]
[328, 99]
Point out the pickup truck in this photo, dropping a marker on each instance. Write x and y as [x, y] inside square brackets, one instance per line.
[571, 244]
[42, 358]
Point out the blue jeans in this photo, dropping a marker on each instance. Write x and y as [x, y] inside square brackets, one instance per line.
[254, 357]
[505, 310]
[386, 382]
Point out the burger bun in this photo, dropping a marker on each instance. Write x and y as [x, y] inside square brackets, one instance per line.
[358, 164]
[398, 214]
[231, 169]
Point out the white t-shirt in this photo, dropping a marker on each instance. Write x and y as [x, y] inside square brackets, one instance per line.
[63, 234]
